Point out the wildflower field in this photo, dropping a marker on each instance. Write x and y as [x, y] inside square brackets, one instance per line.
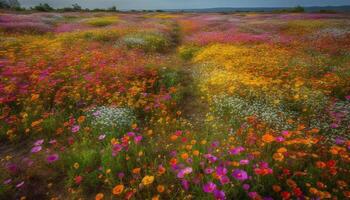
[174, 106]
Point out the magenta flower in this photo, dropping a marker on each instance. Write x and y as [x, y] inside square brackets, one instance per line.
[52, 158]
[208, 170]
[137, 139]
[185, 184]
[240, 175]
[224, 180]
[39, 142]
[236, 150]
[36, 149]
[246, 187]
[219, 195]
[184, 172]
[7, 181]
[209, 187]
[75, 128]
[221, 171]
[244, 162]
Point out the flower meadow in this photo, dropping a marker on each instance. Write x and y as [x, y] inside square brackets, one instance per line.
[174, 106]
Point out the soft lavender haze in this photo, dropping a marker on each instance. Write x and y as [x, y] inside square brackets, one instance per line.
[184, 4]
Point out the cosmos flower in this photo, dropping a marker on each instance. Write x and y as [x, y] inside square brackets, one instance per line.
[36, 149]
[39, 142]
[147, 180]
[75, 128]
[209, 187]
[118, 189]
[52, 158]
[240, 175]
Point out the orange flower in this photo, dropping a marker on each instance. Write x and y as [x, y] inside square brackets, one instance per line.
[147, 180]
[81, 119]
[161, 170]
[282, 150]
[276, 188]
[184, 156]
[268, 138]
[173, 161]
[278, 156]
[99, 196]
[173, 137]
[195, 152]
[136, 170]
[320, 164]
[117, 190]
[160, 188]
[155, 197]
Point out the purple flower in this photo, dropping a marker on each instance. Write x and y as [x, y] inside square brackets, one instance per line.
[219, 195]
[210, 157]
[209, 187]
[52, 158]
[75, 128]
[7, 181]
[36, 149]
[221, 171]
[253, 195]
[240, 175]
[39, 142]
[185, 184]
[347, 97]
[121, 175]
[131, 134]
[284, 132]
[20, 184]
[208, 170]
[236, 150]
[246, 187]
[184, 172]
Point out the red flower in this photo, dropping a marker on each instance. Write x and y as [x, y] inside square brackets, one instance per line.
[78, 179]
[285, 195]
[331, 163]
[297, 192]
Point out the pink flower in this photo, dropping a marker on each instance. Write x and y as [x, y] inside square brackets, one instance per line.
[75, 128]
[240, 175]
[52, 158]
[209, 187]
[36, 149]
[101, 137]
[39, 142]
[137, 139]
[20, 184]
[78, 179]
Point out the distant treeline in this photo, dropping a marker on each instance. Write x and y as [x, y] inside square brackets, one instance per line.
[45, 7]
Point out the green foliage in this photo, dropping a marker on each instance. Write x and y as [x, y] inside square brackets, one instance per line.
[147, 41]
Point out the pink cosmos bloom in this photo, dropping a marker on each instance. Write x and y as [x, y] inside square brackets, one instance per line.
[240, 175]
[209, 187]
[52, 158]
[75, 128]
[36, 149]
[102, 136]
[219, 195]
[39, 142]
[137, 139]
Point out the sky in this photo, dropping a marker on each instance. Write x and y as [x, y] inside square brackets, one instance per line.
[183, 4]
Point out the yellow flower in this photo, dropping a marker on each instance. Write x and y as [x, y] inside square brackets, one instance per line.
[147, 180]
[278, 156]
[76, 165]
[117, 190]
[160, 188]
[282, 150]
